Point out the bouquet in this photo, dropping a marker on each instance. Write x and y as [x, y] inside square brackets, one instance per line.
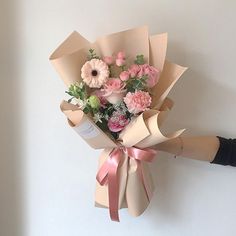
[112, 93]
[117, 90]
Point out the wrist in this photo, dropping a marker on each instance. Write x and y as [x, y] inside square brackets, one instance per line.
[174, 146]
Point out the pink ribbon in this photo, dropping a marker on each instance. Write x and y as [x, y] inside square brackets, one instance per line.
[108, 174]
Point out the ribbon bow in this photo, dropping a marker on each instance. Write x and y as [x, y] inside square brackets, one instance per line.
[108, 173]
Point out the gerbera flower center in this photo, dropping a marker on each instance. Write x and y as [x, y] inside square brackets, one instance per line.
[94, 72]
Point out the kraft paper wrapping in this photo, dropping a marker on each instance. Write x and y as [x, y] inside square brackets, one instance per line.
[86, 128]
[144, 130]
[131, 192]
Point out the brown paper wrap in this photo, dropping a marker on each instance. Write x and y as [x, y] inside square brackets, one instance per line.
[144, 130]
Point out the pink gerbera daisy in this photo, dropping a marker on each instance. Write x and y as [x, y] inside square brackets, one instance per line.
[95, 73]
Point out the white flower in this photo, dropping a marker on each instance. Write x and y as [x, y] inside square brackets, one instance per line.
[106, 117]
[98, 117]
[80, 103]
[81, 85]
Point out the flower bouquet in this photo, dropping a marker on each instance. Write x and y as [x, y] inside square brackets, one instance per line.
[117, 90]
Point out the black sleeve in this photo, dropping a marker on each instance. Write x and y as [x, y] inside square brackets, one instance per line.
[226, 154]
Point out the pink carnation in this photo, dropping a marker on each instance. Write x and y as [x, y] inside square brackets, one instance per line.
[138, 101]
[141, 70]
[117, 122]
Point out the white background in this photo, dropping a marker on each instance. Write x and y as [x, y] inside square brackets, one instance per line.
[47, 173]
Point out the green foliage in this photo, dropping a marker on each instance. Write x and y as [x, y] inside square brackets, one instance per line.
[86, 110]
[103, 125]
[77, 91]
[92, 54]
[108, 110]
[70, 100]
[115, 135]
[139, 60]
[136, 84]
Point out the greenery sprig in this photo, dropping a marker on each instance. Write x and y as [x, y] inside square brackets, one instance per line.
[92, 54]
[139, 60]
[135, 83]
[77, 91]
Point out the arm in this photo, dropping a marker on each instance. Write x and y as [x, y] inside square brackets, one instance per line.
[202, 148]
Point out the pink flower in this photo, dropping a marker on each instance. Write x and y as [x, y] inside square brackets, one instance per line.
[121, 55]
[117, 122]
[120, 62]
[113, 85]
[124, 75]
[114, 90]
[108, 60]
[138, 101]
[145, 70]
[95, 73]
[151, 72]
[133, 70]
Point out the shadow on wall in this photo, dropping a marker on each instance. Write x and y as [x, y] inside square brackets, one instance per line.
[201, 101]
[10, 141]
[205, 101]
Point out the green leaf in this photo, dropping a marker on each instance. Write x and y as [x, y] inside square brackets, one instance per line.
[71, 94]
[103, 126]
[69, 100]
[115, 135]
[86, 110]
[139, 60]
[78, 91]
[92, 54]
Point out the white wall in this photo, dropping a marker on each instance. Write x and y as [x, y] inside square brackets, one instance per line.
[47, 173]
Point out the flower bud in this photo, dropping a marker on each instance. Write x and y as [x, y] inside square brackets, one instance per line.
[108, 60]
[120, 62]
[121, 55]
[94, 101]
[124, 75]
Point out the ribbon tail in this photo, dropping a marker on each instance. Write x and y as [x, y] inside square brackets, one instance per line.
[108, 174]
[113, 191]
[140, 155]
[144, 181]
